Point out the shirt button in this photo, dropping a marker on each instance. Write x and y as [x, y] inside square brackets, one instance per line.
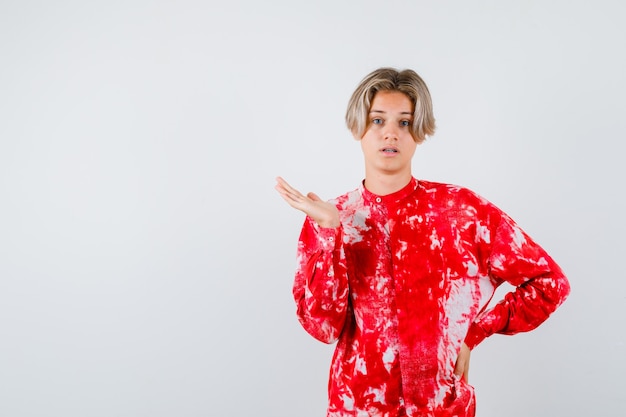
[378, 199]
[331, 238]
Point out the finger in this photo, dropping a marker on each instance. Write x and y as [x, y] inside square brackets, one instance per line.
[281, 181]
[459, 368]
[462, 370]
[465, 372]
[289, 191]
[281, 185]
[313, 197]
[293, 200]
[467, 360]
[284, 184]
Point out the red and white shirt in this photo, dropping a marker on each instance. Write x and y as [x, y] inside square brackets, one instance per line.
[403, 282]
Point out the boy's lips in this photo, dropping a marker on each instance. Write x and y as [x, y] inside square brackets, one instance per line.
[389, 150]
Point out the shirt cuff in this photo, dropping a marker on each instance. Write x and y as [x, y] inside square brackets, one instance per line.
[329, 237]
[475, 335]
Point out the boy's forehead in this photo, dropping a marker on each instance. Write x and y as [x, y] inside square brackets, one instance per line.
[391, 100]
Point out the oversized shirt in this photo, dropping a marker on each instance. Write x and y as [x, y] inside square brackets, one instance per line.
[403, 282]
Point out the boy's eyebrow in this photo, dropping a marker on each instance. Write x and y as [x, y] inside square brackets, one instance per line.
[381, 111]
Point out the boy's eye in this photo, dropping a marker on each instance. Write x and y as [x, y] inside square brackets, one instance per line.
[377, 121]
[405, 123]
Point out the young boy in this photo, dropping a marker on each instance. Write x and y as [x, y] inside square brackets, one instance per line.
[400, 271]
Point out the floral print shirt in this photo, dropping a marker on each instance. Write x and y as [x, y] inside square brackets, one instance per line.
[403, 282]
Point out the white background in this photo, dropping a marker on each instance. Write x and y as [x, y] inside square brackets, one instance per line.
[146, 261]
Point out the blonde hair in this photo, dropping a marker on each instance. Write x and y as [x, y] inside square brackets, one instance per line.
[389, 79]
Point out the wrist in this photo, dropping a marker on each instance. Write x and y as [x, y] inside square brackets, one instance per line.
[328, 224]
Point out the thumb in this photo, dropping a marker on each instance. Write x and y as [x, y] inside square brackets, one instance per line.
[314, 197]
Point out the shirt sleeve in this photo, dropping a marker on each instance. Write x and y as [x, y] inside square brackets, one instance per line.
[540, 284]
[321, 284]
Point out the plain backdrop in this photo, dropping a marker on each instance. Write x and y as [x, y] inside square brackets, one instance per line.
[146, 261]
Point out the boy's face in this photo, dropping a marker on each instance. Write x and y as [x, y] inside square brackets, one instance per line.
[387, 144]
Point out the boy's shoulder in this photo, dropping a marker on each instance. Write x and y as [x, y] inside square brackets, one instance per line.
[349, 198]
[446, 190]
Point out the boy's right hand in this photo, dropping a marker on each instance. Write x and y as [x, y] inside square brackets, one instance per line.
[325, 214]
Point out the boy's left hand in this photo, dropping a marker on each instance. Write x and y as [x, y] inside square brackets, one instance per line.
[461, 368]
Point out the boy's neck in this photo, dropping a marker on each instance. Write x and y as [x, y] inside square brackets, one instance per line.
[386, 184]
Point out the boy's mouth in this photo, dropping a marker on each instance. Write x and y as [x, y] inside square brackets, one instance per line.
[390, 150]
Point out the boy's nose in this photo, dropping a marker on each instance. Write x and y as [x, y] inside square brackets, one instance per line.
[390, 133]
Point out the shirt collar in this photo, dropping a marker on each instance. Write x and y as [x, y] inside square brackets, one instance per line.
[389, 199]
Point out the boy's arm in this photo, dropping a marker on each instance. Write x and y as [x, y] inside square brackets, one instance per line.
[540, 284]
[321, 284]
